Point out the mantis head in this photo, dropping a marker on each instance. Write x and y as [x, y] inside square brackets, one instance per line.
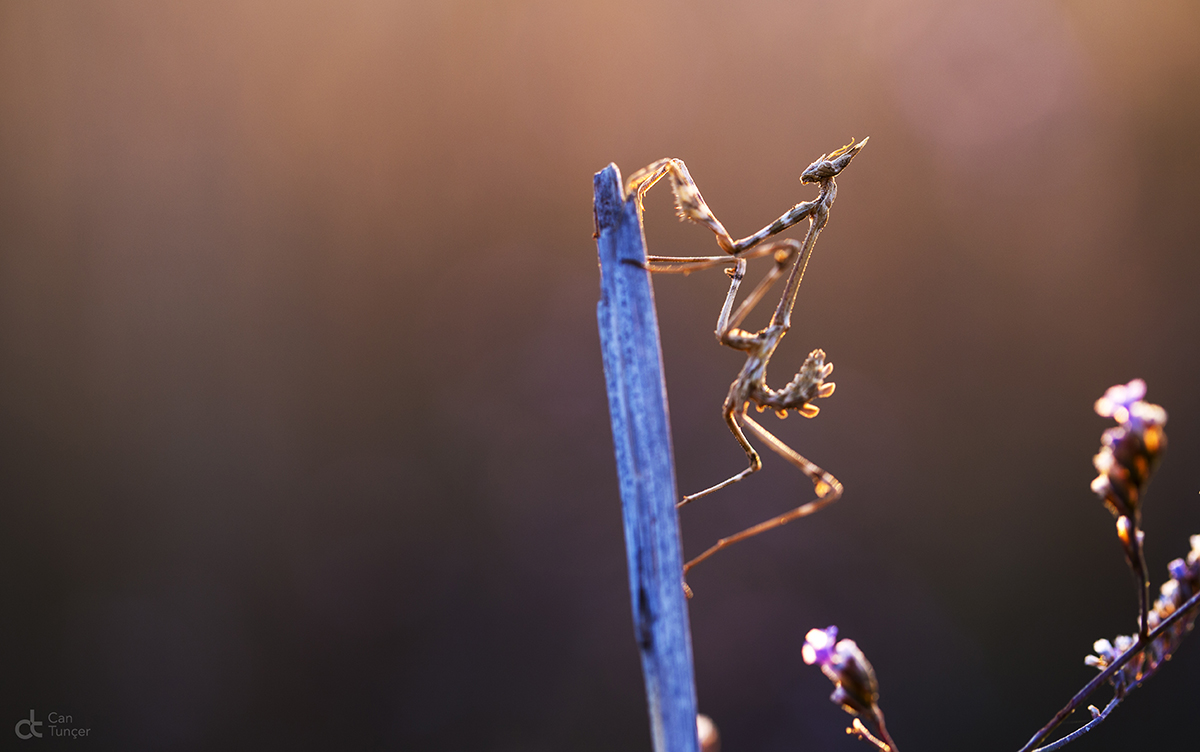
[830, 165]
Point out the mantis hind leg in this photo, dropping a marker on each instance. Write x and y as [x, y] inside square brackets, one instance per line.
[731, 412]
[827, 487]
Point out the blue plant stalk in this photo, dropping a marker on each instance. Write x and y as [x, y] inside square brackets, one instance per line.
[637, 400]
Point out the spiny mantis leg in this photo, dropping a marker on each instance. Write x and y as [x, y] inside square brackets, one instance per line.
[827, 487]
[691, 204]
[783, 311]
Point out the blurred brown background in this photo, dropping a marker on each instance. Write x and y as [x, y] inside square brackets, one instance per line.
[303, 437]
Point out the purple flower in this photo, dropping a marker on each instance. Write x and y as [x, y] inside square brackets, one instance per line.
[855, 687]
[845, 665]
[1123, 403]
[1106, 652]
[819, 646]
[1118, 399]
[1178, 569]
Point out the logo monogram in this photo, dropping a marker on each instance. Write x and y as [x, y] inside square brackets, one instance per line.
[32, 724]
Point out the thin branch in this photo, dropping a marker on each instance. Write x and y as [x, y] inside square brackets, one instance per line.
[1113, 703]
[1107, 673]
[1144, 601]
[1141, 576]
[859, 729]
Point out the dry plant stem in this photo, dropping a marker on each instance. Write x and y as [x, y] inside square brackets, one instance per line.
[1107, 673]
[646, 474]
[1143, 586]
[1114, 702]
[886, 736]
[1141, 576]
[859, 729]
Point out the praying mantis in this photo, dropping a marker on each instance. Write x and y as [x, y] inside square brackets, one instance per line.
[750, 385]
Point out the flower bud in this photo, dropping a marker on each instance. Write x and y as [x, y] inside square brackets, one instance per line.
[1130, 451]
[856, 688]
